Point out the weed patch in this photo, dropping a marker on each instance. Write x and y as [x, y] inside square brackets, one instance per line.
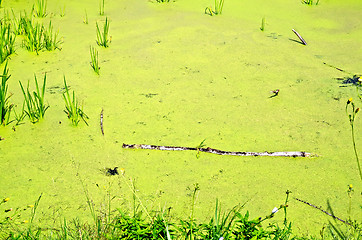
[102, 36]
[73, 110]
[217, 10]
[35, 105]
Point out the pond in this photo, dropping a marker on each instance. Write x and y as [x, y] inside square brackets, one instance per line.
[175, 76]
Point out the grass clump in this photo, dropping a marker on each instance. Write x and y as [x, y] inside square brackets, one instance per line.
[35, 105]
[310, 2]
[50, 40]
[94, 59]
[5, 106]
[19, 24]
[219, 4]
[40, 8]
[72, 109]
[33, 36]
[36, 36]
[7, 41]
[102, 37]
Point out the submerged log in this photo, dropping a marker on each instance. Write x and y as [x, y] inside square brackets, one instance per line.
[216, 151]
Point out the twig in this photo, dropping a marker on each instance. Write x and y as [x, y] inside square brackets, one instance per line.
[300, 37]
[101, 122]
[339, 69]
[320, 209]
[333, 67]
[216, 151]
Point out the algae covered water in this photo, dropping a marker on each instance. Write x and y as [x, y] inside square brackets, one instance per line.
[173, 75]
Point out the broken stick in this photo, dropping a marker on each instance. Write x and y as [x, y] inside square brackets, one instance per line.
[101, 122]
[324, 211]
[216, 151]
[300, 37]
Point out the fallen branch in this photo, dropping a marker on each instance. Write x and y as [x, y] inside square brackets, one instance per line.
[216, 151]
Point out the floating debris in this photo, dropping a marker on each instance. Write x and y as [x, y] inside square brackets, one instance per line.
[112, 172]
[356, 80]
[275, 93]
[101, 122]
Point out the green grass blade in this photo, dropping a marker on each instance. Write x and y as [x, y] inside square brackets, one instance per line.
[27, 101]
[5, 106]
[221, 5]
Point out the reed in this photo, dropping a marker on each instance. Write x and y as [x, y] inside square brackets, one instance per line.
[94, 59]
[40, 8]
[219, 4]
[102, 37]
[72, 109]
[7, 41]
[5, 105]
[35, 105]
